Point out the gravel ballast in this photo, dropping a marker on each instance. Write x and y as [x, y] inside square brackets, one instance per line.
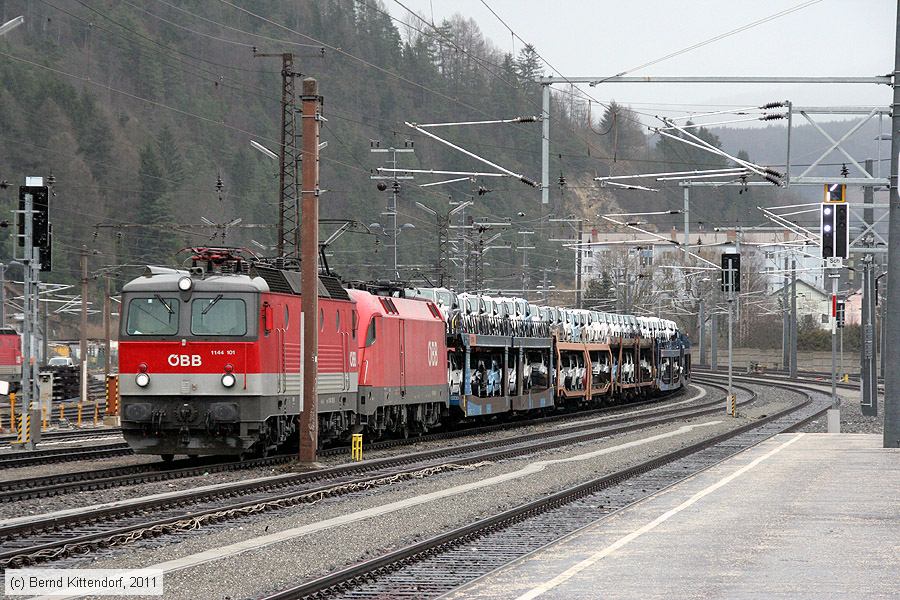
[88, 497]
[852, 419]
[288, 562]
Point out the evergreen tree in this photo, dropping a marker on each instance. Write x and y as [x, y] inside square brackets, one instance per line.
[528, 65]
[172, 161]
[151, 244]
[94, 134]
[622, 132]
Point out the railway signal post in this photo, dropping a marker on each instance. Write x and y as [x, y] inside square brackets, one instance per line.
[731, 283]
[309, 267]
[835, 232]
[34, 234]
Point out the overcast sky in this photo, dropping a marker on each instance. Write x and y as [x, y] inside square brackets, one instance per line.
[605, 37]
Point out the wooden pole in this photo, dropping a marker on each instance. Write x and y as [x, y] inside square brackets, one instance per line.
[309, 267]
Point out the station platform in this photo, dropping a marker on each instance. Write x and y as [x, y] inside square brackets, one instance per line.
[798, 516]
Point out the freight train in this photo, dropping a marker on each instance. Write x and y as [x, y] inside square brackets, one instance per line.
[210, 357]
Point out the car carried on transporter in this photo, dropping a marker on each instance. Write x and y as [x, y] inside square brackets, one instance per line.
[210, 357]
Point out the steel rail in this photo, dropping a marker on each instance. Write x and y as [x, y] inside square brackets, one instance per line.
[369, 571]
[52, 536]
[15, 458]
[52, 485]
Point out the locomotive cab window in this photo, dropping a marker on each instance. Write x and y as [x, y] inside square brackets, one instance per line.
[370, 333]
[153, 315]
[218, 316]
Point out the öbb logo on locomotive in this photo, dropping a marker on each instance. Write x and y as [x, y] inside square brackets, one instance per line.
[240, 390]
[185, 360]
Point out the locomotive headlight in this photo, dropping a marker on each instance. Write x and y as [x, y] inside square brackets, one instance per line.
[185, 284]
[228, 380]
[142, 379]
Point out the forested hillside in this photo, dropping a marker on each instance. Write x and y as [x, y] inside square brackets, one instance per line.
[137, 109]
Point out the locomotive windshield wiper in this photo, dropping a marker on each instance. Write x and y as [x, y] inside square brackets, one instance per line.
[163, 302]
[211, 304]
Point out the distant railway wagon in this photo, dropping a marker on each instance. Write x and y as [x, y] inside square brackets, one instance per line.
[211, 357]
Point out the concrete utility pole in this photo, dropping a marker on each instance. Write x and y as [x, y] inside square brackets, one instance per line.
[545, 146]
[867, 371]
[868, 376]
[45, 330]
[793, 369]
[785, 320]
[702, 335]
[714, 340]
[82, 345]
[892, 302]
[578, 294]
[309, 269]
[524, 247]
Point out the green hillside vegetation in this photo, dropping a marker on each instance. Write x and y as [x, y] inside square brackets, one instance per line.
[136, 108]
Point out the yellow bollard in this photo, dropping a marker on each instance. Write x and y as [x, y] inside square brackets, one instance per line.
[96, 413]
[62, 411]
[80, 408]
[733, 405]
[24, 429]
[356, 442]
[43, 418]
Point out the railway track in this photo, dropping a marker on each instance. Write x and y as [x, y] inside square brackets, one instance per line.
[66, 434]
[433, 567]
[783, 373]
[32, 540]
[810, 377]
[15, 459]
[96, 479]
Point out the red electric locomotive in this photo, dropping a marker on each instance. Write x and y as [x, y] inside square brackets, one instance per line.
[10, 356]
[210, 359]
[403, 364]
